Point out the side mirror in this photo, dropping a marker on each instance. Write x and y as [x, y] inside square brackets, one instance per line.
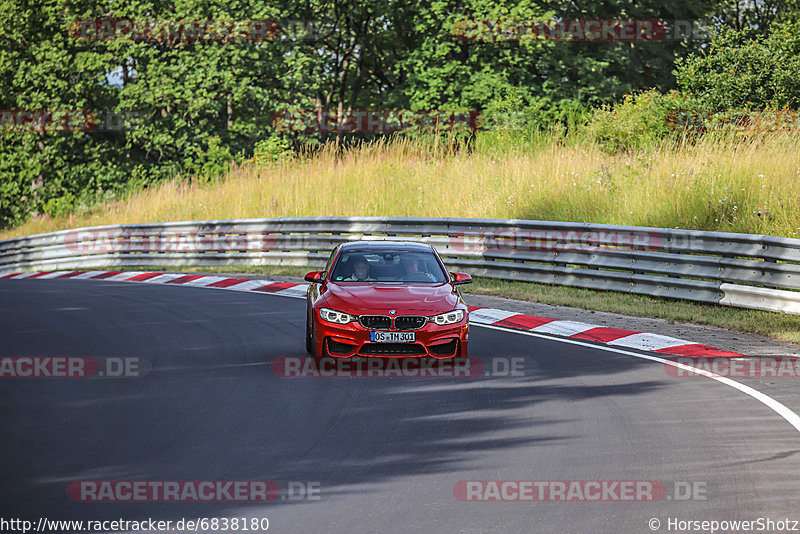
[315, 277]
[461, 278]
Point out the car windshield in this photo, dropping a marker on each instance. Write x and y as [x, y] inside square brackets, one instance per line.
[390, 265]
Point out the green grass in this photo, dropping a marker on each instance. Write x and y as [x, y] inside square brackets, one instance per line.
[778, 326]
[749, 185]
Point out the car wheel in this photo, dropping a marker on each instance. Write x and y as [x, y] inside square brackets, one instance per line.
[311, 344]
[309, 337]
[325, 353]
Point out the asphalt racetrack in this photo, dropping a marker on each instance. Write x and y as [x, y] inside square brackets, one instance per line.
[367, 454]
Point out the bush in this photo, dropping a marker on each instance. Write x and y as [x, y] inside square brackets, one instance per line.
[212, 163]
[744, 71]
[512, 113]
[639, 121]
[60, 205]
[273, 149]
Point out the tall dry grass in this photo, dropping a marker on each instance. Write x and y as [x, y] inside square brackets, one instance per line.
[717, 183]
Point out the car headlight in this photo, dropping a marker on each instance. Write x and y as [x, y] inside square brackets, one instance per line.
[333, 316]
[452, 317]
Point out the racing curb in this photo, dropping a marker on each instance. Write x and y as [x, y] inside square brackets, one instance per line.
[618, 337]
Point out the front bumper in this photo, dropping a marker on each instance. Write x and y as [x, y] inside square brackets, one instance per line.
[352, 339]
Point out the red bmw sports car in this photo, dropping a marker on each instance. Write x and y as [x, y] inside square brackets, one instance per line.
[386, 299]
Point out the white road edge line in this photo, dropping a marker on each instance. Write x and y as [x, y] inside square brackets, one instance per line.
[782, 410]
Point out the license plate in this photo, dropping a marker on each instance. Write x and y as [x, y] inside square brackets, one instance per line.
[393, 337]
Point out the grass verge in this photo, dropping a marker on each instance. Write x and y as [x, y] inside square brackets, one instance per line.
[729, 184]
[778, 326]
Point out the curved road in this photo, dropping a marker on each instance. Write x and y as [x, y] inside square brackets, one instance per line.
[385, 453]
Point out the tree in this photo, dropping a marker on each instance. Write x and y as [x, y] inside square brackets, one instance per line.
[745, 70]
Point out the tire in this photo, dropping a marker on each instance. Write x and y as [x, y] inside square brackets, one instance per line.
[324, 351]
[311, 346]
[309, 338]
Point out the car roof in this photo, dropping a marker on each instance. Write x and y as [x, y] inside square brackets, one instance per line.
[366, 246]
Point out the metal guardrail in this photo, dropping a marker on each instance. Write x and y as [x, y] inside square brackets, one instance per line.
[744, 270]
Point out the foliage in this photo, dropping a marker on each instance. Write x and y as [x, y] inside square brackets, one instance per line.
[273, 149]
[744, 70]
[511, 113]
[209, 163]
[641, 120]
[199, 102]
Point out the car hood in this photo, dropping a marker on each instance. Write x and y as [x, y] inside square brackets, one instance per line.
[378, 298]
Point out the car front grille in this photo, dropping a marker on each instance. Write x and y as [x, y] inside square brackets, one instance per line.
[409, 322]
[391, 349]
[376, 322]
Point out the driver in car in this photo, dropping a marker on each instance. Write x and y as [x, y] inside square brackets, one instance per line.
[360, 272]
[414, 270]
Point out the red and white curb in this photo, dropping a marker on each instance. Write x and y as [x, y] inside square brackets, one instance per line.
[618, 337]
[287, 289]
